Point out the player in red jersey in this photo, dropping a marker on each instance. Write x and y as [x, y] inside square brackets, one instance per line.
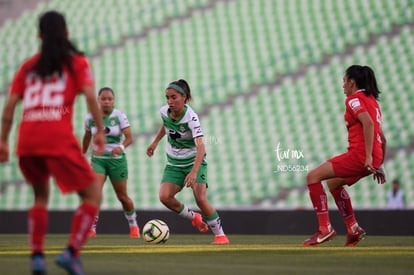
[365, 156]
[47, 84]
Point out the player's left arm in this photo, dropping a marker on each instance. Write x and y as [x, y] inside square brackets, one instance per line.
[383, 145]
[127, 141]
[128, 137]
[191, 177]
[368, 131]
[379, 173]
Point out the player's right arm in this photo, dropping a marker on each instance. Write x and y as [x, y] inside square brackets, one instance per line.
[99, 138]
[154, 144]
[6, 124]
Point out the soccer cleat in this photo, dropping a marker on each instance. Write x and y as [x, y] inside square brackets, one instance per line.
[92, 233]
[354, 238]
[38, 265]
[198, 222]
[68, 262]
[319, 238]
[134, 232]
[221, 240]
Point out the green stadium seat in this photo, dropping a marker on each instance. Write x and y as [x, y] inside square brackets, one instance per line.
[258, 76]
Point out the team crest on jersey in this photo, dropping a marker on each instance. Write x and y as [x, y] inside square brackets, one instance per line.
[182, 128]
[112, 122]
[354, 104]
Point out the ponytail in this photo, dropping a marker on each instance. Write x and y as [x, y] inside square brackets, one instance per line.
[56, 49]
[364, 78]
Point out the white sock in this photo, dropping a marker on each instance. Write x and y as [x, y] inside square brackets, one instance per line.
[215, 226]
[131, 217]
[186, 212]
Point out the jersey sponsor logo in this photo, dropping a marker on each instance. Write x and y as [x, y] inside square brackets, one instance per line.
[174, 135]
[354, 104]
[43, 115]
[197, 130]
[194, 118]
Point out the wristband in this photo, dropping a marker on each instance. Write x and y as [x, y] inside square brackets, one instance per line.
[122, 147]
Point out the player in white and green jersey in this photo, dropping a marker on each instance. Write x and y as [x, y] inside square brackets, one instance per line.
[186, 164]
[112, 163]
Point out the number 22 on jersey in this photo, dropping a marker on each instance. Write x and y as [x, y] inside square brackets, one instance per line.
[48, 93]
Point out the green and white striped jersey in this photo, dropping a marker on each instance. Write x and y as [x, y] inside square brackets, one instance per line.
[181, 149]
[114, 123]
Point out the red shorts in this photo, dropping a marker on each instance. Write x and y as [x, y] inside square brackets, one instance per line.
[349, 167]
[71, 171]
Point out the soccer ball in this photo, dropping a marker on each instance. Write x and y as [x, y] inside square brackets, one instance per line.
[156, 231]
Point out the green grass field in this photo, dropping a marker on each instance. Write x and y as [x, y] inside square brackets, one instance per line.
[247, 254]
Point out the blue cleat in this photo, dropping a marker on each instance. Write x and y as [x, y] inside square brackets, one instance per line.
[38, 265]
[68, 262]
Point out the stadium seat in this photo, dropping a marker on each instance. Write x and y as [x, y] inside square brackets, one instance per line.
[261, 74]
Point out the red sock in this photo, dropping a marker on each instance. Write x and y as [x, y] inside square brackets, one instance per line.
[343, 202]
[38, 220]
[320, 204]
[81, 223]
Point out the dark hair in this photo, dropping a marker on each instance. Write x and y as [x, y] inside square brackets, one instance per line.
[186, 88]
[56, 48]
[364, 78]
[101, 90]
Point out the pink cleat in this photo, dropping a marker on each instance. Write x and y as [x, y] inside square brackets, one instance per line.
[92, 233]
[221, 240]
[134, 232]
[198, 222]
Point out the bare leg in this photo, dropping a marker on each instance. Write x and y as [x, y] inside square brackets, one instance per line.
[210, 214]
[167, 196]
[120, 188]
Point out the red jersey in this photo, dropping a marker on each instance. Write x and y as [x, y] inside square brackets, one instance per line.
[46, 124]
[356, 104]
